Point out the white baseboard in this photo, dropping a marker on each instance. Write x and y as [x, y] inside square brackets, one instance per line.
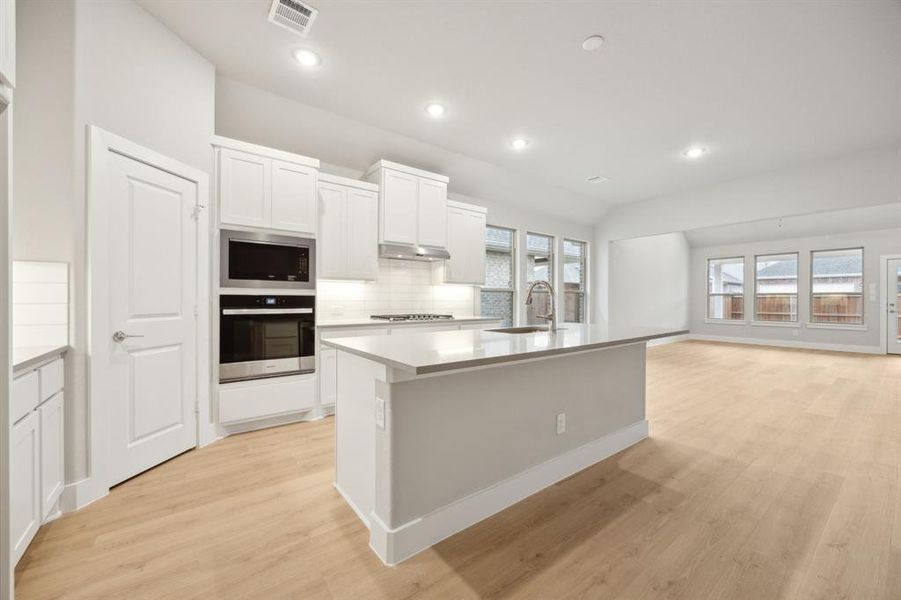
[398, 544]
[363, 517]
[788, 344]
[79, 494]
[669, 340]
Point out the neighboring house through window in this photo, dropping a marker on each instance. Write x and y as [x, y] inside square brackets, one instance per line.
[574, 275]
[498, 295]
[776, 287]
[836, 286]
[725, 288]
[539, 265]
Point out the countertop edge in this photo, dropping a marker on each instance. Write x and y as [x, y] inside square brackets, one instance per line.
[379, 323]
[43, 353]
[494, 360]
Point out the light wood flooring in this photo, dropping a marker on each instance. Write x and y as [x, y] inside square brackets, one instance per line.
[769, 473]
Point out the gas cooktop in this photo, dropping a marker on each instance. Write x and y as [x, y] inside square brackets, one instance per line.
[412, 317]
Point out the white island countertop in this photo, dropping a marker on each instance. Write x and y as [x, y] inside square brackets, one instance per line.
[432, 352]
[367, 321]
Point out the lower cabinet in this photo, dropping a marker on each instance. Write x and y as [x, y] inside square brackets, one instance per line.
[328, 376]
[263, 398]
[52, 466]
[25, 483]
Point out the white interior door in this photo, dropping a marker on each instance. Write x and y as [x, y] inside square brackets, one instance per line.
[893, 320]
[150, 377]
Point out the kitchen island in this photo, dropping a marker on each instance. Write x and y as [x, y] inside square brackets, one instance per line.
[439, 430]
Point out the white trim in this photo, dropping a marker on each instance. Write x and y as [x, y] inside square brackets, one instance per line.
[347, 182]
[883, 301]
[787, 344]
[223, 142]
[794, 324]
[77, 495]
[360, 514]
[400, 543]
[710, 321]
[265, 291]
[393, 166]
[669, 340]
[839, 326]
[100, 144]
[7, 562]
[465, 206]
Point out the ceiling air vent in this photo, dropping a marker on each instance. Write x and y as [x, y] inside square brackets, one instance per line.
[295, 16]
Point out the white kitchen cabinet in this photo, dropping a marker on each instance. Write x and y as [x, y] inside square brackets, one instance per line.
[412, 205]
[328, 376]
[265, 188]
[25, 483]
[262, 398]
[8, 42]
[293, 197]
[399, 208]
[348, 229]
[244, 189]
[51, 436]
[466, 245]
[432, 213]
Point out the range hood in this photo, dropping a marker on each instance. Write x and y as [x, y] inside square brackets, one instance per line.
[412, 252]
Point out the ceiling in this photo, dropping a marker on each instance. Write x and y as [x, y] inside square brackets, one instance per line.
[868, 218]
[762, 84]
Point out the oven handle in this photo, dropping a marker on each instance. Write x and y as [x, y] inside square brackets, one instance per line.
[267, 311]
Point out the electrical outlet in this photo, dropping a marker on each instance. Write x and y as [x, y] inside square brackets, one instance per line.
[561, 423]
[380, 413]
[795, 332]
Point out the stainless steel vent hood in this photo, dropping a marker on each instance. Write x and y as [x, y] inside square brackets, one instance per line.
[412, 252]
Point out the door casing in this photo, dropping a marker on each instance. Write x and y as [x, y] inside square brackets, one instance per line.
[883, 301]
[101, 144]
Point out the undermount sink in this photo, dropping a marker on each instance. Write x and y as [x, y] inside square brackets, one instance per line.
[520, 330]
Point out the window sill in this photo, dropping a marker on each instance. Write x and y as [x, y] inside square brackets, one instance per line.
[725, 322]
[839, 326]
[793, 324]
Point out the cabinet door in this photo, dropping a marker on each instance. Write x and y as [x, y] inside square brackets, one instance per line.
[51, 413]
[457, 240]
[332, 240]
[328, 376]
[432, 213]
[362, 234]
[293, 197]
[399, 207]
[475, 234]
[8, 42]
[24, 484]
[245, 189]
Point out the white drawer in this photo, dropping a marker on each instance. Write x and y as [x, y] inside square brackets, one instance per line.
[261, 398]
[26, 396]
[52, 378]
[350, 332]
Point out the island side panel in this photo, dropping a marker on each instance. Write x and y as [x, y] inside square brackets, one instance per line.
[355, 461]
[456, 434]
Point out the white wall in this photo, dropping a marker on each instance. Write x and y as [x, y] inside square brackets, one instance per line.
[133, 77]
[864, 179]
[650, 281]
[874, 243]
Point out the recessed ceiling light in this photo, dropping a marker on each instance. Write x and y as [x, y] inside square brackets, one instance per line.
[592, 43]
[435, 110]
[307, 58]
[519, 144]
[694, 152]
[596, 179]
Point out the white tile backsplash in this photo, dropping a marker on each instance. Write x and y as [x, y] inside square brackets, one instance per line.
[401, 287]
[40, 303]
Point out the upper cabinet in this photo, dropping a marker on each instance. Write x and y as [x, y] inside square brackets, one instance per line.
[412, 205]
[266, 188]
[348, 228]
[466, 245]
[8, 42]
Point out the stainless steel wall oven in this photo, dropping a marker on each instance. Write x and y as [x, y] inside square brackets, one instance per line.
[266, 336]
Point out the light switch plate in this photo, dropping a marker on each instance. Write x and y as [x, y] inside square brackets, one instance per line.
[561, 423]
[380, 413]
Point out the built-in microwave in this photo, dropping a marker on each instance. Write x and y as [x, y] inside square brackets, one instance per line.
[264, 260]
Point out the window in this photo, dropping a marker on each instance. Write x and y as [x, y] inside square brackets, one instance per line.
[725, 288]
[539, 265]
[776, 288]
[574, 273]
[498, 293]
[836, 286]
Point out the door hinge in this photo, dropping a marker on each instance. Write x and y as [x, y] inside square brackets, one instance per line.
[195, 213]
[196, 311]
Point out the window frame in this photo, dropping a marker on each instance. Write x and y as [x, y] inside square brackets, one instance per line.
[709, 294]
[585, 278]
[553, 272]
[514, 238]
[797, 293]
[861, 295]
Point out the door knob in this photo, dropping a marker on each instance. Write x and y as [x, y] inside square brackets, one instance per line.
[120, 336]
